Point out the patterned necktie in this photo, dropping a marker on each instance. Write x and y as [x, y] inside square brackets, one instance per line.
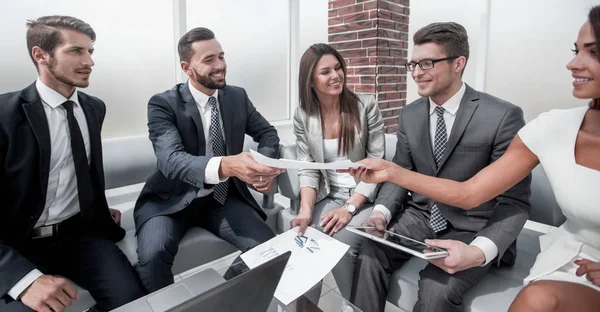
[218, 145]
[85, 189]
[437, 222]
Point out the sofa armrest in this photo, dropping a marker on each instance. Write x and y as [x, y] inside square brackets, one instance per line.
[289, 184]
[544, 208]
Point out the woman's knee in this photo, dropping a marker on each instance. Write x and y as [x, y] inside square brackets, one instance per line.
[537, 296]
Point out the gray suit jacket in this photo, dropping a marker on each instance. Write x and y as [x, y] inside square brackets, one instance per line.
[177, 136]
[370, 142]
[483, 129]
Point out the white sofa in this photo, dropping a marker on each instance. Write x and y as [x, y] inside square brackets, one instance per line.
[498, 289]
[128, 162]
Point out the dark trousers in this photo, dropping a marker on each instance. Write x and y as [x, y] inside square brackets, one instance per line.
[93, 262]
[438, 290]
[158, 239]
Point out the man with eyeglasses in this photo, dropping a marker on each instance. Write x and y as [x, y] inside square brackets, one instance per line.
[452, 131]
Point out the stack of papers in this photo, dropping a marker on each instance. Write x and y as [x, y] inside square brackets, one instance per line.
[298, 164]
[314, 254]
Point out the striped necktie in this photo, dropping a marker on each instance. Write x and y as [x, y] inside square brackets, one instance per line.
[219, 148]
[437, 222]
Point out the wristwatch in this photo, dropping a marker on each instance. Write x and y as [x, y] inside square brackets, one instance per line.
[350, 207]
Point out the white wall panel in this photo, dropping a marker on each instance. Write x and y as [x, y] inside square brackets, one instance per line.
[134, 53]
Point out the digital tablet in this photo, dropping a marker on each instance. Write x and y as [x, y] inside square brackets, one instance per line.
[400, 242]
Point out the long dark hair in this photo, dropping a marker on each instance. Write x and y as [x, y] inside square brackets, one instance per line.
[594, 20]
[349, 113]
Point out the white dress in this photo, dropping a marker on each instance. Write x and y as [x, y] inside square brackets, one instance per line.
[551, 137]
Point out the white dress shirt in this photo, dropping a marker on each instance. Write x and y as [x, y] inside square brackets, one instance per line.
[211, 172]
[330, 154]
[62, 201]
[489, 248]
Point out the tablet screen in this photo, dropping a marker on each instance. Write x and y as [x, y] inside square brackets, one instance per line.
[401, 240]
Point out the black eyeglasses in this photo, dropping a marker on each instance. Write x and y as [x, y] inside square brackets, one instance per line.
[426, 64]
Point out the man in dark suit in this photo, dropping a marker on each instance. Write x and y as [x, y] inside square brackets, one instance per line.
[451, 132]
[54, 218]
[197, 130]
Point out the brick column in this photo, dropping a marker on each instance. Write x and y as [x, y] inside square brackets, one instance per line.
[372, 35]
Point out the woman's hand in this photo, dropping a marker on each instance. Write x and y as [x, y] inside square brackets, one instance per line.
[333, 221]
[590, 269]
[378, 170]
[302, 220]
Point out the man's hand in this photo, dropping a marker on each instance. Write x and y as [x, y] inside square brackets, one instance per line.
[590, 269]
[265, 186]
[49, 292]
[302, 220]
[378, 172]
[377, 220]
[333, 221]
[460, 255]
[116, 215]
[245, 168]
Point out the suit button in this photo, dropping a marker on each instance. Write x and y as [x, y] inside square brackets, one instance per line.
[185, 203]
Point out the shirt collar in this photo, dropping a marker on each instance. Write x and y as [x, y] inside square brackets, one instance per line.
[452, 104]
[201, 98]
[52, 98]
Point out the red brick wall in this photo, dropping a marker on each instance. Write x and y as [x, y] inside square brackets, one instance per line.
[372, 35]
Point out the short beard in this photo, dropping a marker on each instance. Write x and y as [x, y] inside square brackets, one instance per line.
[207, 82]
[62, 78]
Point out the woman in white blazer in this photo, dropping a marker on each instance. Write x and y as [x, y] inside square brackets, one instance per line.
[333, 124]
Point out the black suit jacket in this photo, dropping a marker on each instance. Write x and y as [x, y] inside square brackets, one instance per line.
[24, 169]
[175, 129]
[483, 128]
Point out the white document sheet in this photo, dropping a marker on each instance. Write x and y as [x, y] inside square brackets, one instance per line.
[313, 256]
[298, 164]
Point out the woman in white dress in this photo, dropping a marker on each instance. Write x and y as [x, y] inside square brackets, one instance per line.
[566, 273]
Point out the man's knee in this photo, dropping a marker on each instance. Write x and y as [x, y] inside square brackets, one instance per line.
[440, 294]
[537, 296]
[156, 253]
[156, 246]
[350, 239]
[367, 249]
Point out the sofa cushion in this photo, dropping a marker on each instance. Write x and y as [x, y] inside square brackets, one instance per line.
[494, 293]
[544, 208]
[127, 160]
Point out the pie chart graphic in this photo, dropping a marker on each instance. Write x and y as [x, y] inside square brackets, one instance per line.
[308, 244]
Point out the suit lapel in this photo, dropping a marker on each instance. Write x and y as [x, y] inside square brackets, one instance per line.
[32, 105]
[424, 136]
[227, 117]
[94, 130]
[468, 105]
[316, 131]
[192, 109]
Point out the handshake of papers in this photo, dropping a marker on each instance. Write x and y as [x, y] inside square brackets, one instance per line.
[298, 164]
